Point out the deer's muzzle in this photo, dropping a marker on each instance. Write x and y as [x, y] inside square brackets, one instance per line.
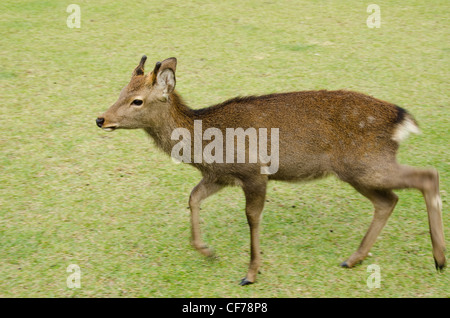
[100, 121]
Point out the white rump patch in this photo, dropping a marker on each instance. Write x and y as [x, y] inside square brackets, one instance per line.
[403, 130]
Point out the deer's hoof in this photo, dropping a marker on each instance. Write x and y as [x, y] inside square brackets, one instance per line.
[345, 265]
[439, 267]
[245, 282]
[205, 251]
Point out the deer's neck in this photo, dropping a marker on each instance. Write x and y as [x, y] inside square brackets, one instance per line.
[176, 115]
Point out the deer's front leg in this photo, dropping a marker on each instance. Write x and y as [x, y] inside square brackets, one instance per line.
[255, 192]
[201, 191]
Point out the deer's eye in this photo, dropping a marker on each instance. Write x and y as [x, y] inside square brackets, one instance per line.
[137, 102]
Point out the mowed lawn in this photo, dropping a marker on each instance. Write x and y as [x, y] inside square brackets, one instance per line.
[116, 207]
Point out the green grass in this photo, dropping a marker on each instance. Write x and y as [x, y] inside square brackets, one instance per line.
[117, 207]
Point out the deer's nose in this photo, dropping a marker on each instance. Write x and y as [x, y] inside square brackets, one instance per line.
[100, 121]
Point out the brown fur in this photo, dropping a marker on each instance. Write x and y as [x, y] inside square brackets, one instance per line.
[344, 133]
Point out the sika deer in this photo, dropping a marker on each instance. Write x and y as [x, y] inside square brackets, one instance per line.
[348, 134]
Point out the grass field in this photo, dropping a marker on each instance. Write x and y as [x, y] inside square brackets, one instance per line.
[116, 207]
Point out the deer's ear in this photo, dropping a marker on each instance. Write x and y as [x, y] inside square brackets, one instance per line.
[163, 76]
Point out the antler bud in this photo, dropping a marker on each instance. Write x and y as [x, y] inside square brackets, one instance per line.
[139, 70]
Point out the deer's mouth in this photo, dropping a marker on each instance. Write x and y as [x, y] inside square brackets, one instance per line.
[110, 128]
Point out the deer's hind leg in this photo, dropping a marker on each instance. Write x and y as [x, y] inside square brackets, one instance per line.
[377, 185]
[384, 202]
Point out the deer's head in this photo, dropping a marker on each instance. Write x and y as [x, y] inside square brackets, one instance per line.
[141, 101]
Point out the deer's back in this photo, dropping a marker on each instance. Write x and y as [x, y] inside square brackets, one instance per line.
[319, 131]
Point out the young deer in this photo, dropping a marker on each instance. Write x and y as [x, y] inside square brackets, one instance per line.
[348, 134]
